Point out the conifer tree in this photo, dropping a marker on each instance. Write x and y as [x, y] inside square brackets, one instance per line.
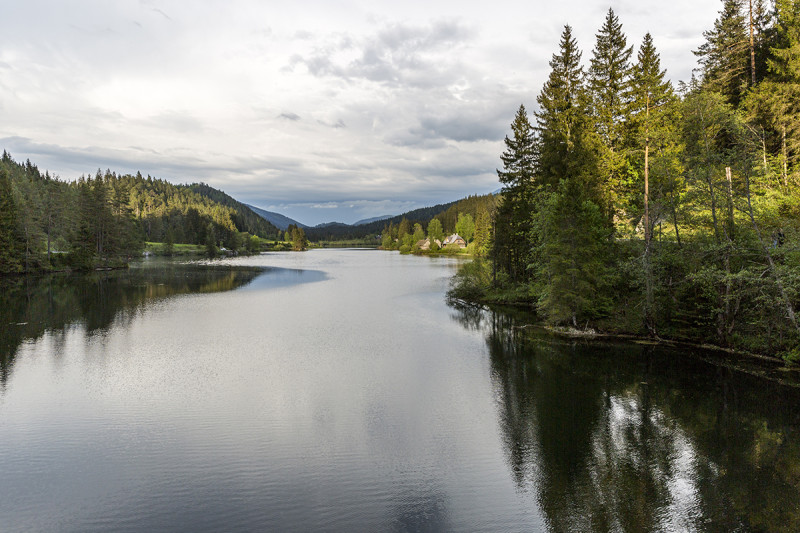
[83, 240]
[10, 249]
[574, 252]
[483, 232]
[609, 86]
[725, 57]
[609, 81]
[519, 165]
[785, 60]
[562, 115]
[650, 95]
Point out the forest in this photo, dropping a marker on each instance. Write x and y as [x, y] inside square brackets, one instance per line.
[470, 218]
[632, 205]
[103, 221]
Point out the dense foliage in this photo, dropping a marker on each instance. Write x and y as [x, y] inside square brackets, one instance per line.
[470, 218]
[630, 206]
[337, 231]
[47, 223]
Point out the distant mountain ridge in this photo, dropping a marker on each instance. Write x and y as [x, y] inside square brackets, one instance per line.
[373, 226]
[276, 219]
[370, 220]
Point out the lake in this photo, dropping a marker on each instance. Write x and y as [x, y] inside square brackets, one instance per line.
[336, 390]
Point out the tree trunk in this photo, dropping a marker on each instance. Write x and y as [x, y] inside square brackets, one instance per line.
[730, 203]
[785, 158]
[752, 49]
[49, 224]
[648, 270]
[647, 177]
[675, 223]
[710, 182]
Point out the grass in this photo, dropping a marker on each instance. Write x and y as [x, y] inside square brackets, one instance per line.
[157, 248]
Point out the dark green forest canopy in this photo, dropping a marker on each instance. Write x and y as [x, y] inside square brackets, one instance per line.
[47, 223]
[633, 207]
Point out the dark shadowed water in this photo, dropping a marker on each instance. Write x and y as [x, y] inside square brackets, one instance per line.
[335, 390]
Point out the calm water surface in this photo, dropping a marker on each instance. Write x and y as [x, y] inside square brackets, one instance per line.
[335, 390]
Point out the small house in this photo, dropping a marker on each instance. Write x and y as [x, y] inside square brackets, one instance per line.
[455, 238]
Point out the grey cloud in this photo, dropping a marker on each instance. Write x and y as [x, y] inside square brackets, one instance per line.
[460, 128]
[294, 117]
[683, 34]
[174, 121]
[174, 165]
[339, 124]
[398, 54]
[160, 12]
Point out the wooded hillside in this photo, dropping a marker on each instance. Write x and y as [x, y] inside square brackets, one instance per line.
[47, 223]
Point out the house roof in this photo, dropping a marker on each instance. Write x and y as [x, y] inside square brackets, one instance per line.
[454, 238]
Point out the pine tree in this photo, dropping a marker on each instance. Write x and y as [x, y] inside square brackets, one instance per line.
[513, 216]
[562, 115]
[609, 85]
[483, 232]
[651, 96]
[785, 60]
[10, 246]
[574, 247]
[609, 81]
[83, 241]
[725, 56]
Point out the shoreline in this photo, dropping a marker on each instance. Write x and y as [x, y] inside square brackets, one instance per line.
[722, 354]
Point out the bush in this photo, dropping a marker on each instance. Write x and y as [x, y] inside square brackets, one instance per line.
[471, 281]
[405, 249]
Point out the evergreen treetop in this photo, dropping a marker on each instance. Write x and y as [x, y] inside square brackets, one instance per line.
[609, 79]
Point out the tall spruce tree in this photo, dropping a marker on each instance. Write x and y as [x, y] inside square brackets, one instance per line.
[10, 245]
[651, 93]
[569, 231]
[513, 215]
[785, 60]
[725, 56]
[609, 81]
[562, 114]
[574, 255]
[609, 85]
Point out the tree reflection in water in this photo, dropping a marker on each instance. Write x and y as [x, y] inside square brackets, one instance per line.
[611, 436]
[31, 306]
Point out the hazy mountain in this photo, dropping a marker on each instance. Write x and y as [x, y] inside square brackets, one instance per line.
[373, 219]
[280, 221]
[332, 225]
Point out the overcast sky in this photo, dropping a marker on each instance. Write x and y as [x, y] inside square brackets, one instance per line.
[320, 110]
